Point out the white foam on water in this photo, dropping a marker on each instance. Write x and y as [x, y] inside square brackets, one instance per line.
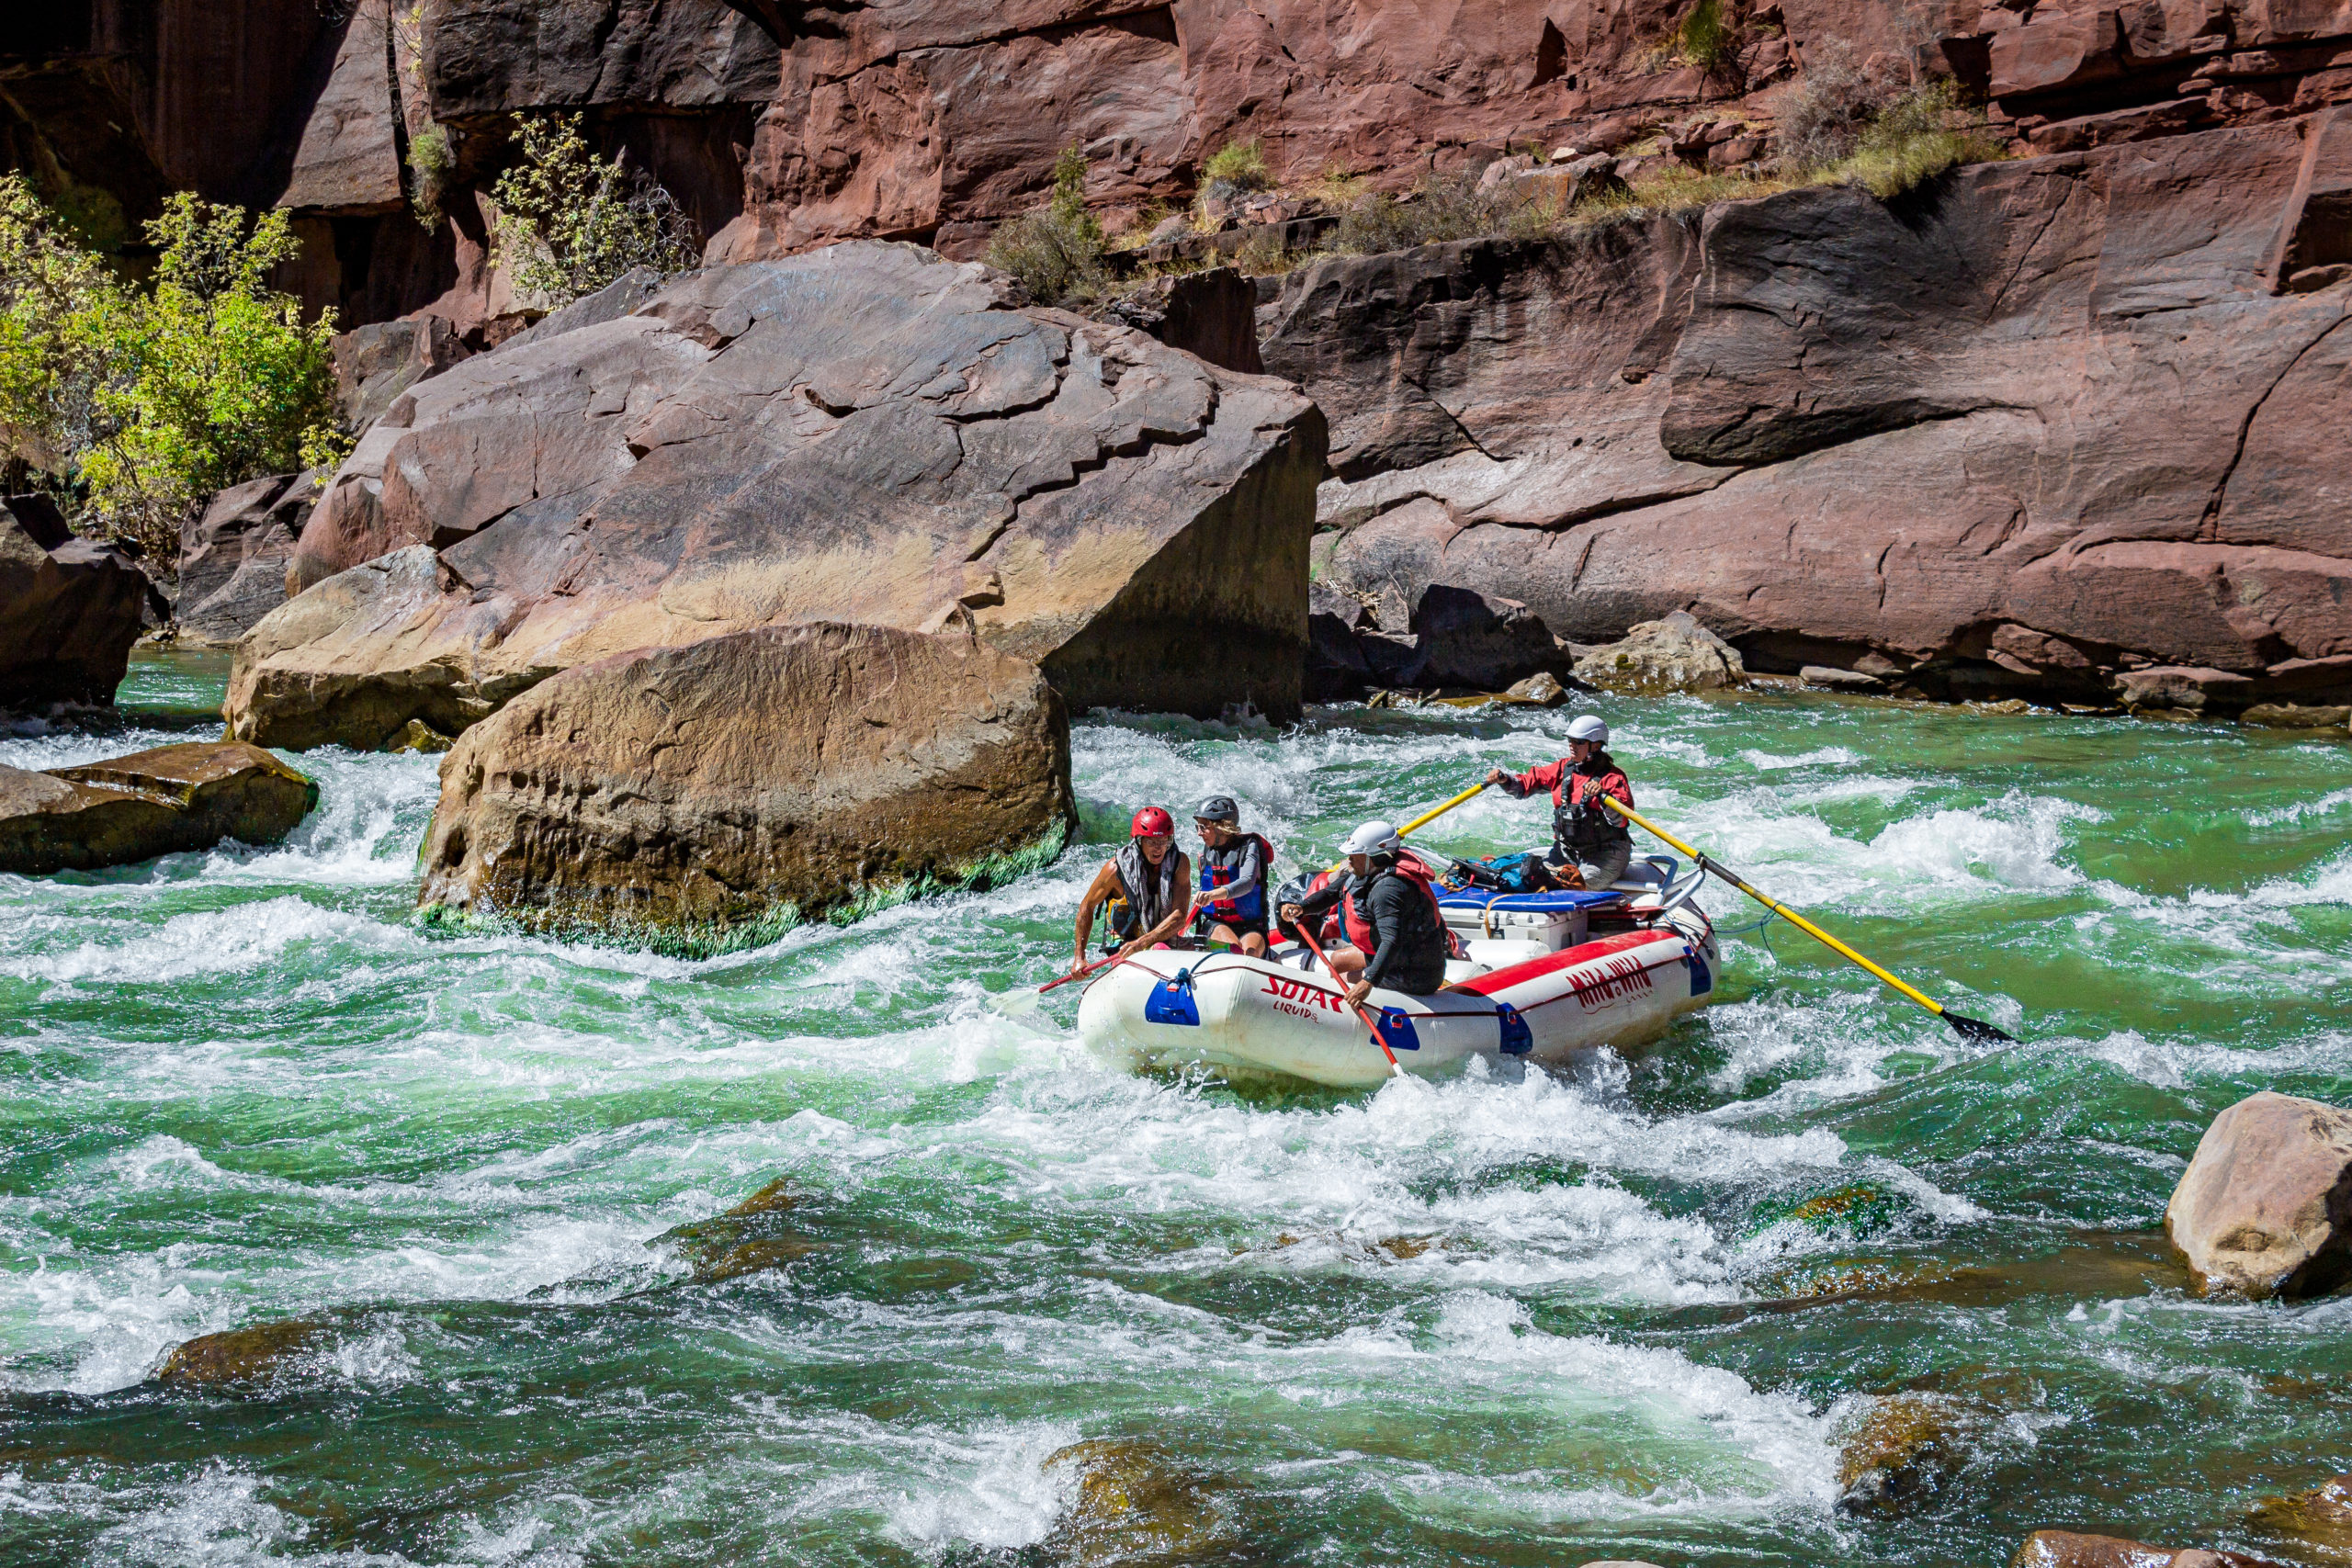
[2334, 800]
[1820, 756]
[2178, 1063]
[115, 1324]
[214, 941]
[217, 1519]
[1741, 1451]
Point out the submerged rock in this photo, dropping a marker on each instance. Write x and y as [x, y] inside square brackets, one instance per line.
[2066, 1549]
[1675, 654]
[1136, 1502]
[868, 434]
[70, 609]
[2318, 1521]
[718, 793]
[172, 799]
[2265, 1208]
[1908, 1447]
[240, 1356]
[750, 1238]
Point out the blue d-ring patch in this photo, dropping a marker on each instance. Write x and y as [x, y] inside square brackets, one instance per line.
[1518, 1039]
[1703, 979]
[1171, 1001]
[1397, 1029]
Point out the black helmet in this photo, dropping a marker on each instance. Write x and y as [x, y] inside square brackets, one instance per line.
[1217, 809]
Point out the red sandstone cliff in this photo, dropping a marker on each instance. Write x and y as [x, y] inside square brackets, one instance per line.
[2067, 422]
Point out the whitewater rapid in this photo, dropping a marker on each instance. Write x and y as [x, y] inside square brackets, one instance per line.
[1512, 1312]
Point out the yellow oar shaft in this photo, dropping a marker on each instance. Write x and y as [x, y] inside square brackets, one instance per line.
[1772, 904]
[1426, 818]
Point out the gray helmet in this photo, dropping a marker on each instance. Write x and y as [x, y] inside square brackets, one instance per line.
[1217, 809]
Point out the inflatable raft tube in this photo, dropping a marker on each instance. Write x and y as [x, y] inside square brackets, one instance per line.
[1259, 1017]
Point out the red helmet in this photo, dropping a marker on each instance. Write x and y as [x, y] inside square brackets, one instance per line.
[1152, 823]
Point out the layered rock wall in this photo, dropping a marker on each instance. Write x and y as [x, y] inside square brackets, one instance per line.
[2057, 424]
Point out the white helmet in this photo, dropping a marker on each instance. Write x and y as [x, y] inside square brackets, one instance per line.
[1588, 726]
[1375, 838]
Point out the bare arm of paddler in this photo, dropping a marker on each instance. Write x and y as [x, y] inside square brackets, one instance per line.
[1106, 887]
[1098, 892]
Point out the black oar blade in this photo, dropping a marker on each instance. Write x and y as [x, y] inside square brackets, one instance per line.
[1976, 1030]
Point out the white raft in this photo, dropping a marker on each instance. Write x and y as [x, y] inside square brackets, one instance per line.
[1548, 974]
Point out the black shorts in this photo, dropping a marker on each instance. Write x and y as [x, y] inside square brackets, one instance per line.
[1208, 920]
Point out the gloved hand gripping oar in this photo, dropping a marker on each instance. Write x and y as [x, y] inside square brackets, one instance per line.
[1975, 1029]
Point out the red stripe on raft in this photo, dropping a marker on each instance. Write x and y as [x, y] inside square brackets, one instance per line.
[1567, 958]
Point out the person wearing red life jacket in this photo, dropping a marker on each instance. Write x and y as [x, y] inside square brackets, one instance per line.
[1142, 889]
[1396, 931]
[1591, 843]
[1231, 904]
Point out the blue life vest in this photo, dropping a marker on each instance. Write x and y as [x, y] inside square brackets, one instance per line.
[1221, 865]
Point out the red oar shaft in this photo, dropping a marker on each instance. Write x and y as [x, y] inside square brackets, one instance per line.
[1078, 974]
[1361, 1016]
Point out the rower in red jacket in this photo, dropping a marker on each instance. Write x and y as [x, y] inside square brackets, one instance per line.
[1591, 843]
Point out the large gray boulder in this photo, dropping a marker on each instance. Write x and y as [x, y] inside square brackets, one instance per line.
[163, 801]
[2265, 1208]
[70, 609]
[715, 794]
[864, 434]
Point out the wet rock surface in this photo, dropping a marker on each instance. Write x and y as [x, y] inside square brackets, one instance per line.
[1136, 1502]
[868, 434]
[752, 1237]
[164, 801]
[2069, 1549]
[1905, 1451]
[70, 610]
[718, 793]
[2265, 1208]
[2318, 1522]
[242, 1358]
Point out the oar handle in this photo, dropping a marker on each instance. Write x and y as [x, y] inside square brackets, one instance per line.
[1078, 974]
[1426, 818]
[1716, 868]
[1361, 1016]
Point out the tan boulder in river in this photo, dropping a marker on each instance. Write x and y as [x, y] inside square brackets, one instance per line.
[715, 795]
[2265, 1208]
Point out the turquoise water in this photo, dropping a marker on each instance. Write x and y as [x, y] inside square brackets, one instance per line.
[1512, 1318]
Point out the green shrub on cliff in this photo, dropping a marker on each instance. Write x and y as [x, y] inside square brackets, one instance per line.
[1914, 137]
[146, 402]
[58, 300]
[224, 380]
[1056, 251]
[1705, 40]
[1242, 164]
[570, 222]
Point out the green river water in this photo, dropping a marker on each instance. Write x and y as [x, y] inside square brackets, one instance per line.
[1517, 1316]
